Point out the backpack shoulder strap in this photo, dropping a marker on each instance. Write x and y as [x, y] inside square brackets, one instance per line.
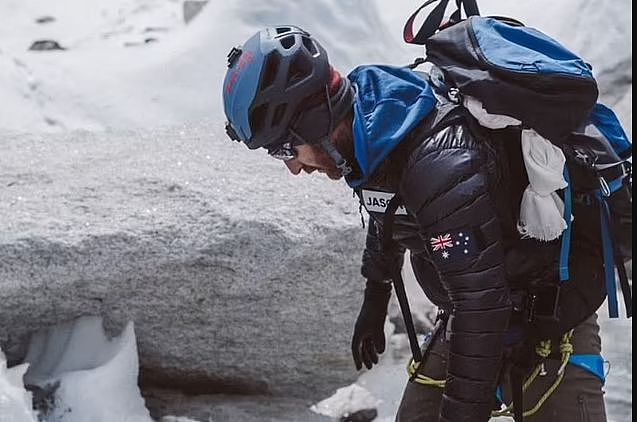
[397, 279]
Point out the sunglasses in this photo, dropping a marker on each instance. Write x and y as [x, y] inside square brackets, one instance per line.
[284, 152]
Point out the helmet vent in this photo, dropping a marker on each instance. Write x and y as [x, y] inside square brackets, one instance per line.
[288, 42]
[270, 70]
[257, 118]
[279, 112]
[314, 100]
[310, 46]
[299, 69]
[282, 30]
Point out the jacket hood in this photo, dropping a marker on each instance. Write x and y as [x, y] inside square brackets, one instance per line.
[389, 102]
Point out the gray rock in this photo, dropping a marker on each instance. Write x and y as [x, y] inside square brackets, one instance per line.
[192, 9]
[45, 45]
[167, 406]
[239, 277]
[45, 19]
[364, 415]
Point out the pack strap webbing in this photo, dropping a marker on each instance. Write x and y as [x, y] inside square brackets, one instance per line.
[565, 249]
[612, 259]
[611, 256]
[397, 279]
[434, 20]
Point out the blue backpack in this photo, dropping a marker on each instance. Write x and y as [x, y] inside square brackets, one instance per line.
[520, 72]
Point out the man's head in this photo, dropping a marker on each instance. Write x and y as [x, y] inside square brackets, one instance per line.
[309, 158]
[280, 93]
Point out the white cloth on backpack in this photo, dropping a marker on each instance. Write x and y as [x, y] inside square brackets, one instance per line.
[491, 121]
[541, 209]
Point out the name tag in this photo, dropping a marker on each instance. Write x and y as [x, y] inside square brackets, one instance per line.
[375, 201]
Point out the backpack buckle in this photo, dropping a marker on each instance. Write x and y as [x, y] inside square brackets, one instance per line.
[454, 95]
[543, 305]
[604, 186]
[628, 166]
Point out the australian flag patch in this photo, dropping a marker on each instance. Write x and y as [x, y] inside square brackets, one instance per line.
[453, 249]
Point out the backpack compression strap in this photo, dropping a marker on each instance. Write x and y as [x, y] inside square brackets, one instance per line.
[434, 20]
[612, 259]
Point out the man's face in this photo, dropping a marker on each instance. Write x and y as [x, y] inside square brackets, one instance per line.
[310, 158]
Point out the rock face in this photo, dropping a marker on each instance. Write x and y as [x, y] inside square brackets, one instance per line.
[191, 8]
[238, 277]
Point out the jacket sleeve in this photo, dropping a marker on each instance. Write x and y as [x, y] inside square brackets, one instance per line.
[377, 264]
[446, 186]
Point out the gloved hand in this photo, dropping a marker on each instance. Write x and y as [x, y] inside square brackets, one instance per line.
[368, 340]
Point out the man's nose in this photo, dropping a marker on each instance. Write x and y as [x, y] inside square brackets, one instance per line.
[294, 166]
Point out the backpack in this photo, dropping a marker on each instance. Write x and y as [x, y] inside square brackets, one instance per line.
[520, 72]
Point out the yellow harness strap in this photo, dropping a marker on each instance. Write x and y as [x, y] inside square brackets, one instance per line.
[543, 349]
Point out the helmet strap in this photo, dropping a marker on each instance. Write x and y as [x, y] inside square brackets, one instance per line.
[337, 107]
[341, 104]
[336, 156]
[331, 150]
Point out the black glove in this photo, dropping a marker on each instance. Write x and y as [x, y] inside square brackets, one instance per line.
[368, 340]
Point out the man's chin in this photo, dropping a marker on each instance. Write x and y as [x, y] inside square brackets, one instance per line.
[334, 175]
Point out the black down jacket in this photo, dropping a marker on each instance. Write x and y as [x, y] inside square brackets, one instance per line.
[450, 224]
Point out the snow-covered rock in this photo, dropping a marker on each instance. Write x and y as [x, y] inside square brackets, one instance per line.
[346, 401]
[238, 276]
[81, 375]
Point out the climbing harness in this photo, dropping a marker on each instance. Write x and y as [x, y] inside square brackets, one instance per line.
[543, 350]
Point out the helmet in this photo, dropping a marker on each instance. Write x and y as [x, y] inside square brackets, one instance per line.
[275, 75]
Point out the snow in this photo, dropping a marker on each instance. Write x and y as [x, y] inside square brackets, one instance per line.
[345, 401]
[176, 419]
[87, 376]
[135, 64]
[15, 401]
[102, 81]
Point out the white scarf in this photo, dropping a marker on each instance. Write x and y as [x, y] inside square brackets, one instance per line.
[541, 209]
